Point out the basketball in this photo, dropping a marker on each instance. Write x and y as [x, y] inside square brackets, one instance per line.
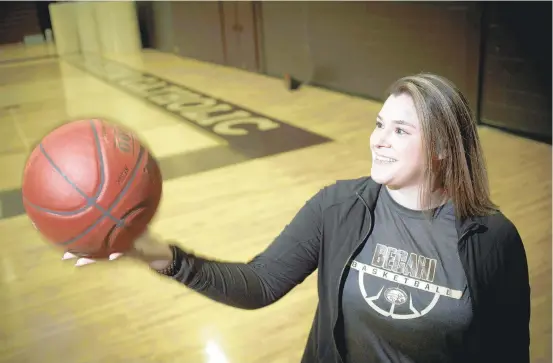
[90, 187]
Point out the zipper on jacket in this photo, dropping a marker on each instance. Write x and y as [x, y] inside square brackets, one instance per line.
[472, 228]
[344, 268]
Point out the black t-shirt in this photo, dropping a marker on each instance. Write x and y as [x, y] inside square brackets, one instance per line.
[406, 297]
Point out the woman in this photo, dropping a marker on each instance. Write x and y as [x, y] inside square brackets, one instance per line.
[416, 264]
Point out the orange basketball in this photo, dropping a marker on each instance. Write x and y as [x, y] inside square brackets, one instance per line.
[90, 187]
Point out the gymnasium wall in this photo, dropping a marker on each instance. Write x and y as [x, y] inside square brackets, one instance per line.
[18, 19]
[361, 47]
[198, 28]
[516, 74]
[499, 53]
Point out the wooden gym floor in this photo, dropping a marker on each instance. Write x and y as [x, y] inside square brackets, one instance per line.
[225, 196]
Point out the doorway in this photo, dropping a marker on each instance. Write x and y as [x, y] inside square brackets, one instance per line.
[240, 34]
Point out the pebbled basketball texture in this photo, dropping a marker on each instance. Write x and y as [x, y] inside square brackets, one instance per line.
[90, 187]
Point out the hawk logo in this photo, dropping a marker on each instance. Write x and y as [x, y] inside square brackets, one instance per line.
[402, 284]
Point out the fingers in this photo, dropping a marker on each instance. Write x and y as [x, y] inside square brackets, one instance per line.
[87, 261]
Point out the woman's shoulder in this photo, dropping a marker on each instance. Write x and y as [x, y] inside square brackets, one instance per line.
[500, 230]
[501, 241]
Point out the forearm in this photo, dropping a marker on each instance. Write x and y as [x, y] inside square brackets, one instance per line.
[242, 285]
[290, 258]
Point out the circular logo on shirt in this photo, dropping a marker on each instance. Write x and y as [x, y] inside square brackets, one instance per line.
[395, 296]
[400, 284]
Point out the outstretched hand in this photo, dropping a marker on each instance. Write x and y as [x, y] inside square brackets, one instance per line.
[147, 248]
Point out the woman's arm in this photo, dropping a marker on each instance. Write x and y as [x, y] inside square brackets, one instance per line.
[506, 302]
[285, 263]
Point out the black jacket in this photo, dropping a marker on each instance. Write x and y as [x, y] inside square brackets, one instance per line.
[326, 233]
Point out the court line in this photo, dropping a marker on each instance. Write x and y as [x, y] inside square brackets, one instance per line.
[27, 59]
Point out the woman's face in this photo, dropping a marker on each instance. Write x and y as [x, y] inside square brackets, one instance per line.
[396, 144]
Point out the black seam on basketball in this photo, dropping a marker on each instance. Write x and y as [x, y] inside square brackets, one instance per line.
[105, 242]
[113, 205]
[83, 233]
[128, 184]
[91, 201]
[100, 157]
[56, 212]
[101, 160]
[123, 218]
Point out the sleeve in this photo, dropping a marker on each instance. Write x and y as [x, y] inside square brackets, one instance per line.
[507, 309]
[267, 277]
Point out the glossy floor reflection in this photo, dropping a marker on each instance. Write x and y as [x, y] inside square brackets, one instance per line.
[223, 197]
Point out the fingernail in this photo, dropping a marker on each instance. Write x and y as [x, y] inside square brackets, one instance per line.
[115, 256]
[68, 256]
[84, 261]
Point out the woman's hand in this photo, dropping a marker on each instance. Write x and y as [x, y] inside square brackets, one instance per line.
[147, 248]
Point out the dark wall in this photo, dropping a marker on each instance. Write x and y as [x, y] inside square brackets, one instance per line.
[516, 88]
[43, 15]
[499, 54]
[198, 30]
[162, 32]
[361, 47]
[17, 20]
[145, 16]
[225, 32]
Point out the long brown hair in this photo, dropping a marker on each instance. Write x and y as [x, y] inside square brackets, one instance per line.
[452, 149]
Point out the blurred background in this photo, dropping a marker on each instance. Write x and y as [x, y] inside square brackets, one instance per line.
[498, 53]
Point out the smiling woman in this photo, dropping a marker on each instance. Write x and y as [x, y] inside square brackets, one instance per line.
[433, 136]
[396, 144]
[415, 262]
